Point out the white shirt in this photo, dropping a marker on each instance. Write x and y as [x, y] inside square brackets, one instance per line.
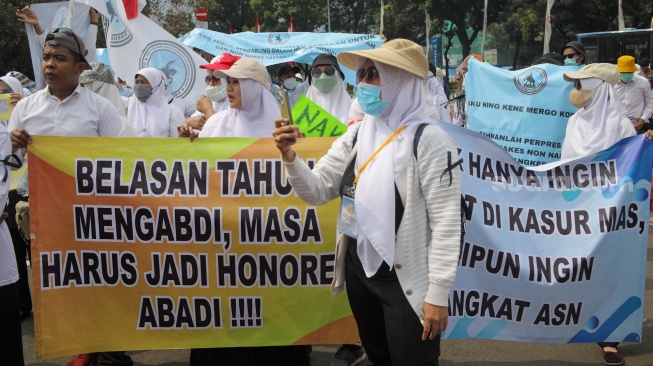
[83, 113]
[636, 97]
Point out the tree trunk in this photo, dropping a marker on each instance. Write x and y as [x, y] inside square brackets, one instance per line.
[515, 58]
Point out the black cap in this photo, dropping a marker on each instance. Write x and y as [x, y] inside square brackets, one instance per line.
[551, 58]
[643, 62]
[285, 68]
[325, 59]
[579, 47]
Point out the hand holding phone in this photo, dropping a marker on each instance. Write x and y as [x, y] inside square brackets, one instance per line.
[285, 109]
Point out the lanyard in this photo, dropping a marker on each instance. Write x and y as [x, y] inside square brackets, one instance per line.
[360, 171]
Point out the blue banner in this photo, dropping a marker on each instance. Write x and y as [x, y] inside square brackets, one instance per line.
[278, 47]
[436, 44]
[524, 111]
[555, 253]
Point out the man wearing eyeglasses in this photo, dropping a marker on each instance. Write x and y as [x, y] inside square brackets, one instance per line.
[63, 108]
[574, 53]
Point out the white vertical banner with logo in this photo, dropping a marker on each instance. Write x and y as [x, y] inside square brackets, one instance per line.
[134, 44]
[547, 26]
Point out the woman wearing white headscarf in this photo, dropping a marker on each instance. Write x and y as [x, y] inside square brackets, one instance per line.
[597, 125]
[252, 110]
[148, 109]
[599, 122]
[12, 86]
[398, 251]
[326, 87]
[436, 93]
[251, 105]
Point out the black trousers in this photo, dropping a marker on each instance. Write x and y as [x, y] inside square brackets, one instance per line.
[11, 337]
[21, 248]
[390, 330]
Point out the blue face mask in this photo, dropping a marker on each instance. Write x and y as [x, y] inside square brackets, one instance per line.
[369, 97]
[570, 62]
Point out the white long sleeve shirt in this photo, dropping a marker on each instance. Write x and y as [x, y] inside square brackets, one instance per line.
[636, 98]
[83, 113]
[430, 227]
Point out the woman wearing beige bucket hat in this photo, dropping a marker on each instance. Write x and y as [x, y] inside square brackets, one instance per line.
[398, 208]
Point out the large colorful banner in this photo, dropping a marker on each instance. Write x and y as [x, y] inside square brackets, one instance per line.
[524, 111]
[164, 243]
[553, 254]
[278, 47]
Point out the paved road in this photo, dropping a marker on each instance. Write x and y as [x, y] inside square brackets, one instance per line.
[454, 353]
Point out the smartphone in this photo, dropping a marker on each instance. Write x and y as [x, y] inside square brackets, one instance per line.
[285, 109]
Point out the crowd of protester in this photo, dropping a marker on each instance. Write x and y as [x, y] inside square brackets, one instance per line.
[397, 91]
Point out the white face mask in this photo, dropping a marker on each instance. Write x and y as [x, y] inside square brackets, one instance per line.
[289, 83]
[216, 93]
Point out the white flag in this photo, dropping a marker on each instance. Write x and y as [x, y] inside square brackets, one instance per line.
[621, 16]
[484, 29]
[137, 43]
[547, 26]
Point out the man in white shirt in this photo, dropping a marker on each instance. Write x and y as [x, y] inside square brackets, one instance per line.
[64, 108]
[634, 92]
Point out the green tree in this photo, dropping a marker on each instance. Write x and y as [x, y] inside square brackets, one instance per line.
[466, 14]
[521, 27]
[175, 16]
[15, 53]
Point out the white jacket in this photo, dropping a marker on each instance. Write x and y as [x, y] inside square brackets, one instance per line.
[428, 239]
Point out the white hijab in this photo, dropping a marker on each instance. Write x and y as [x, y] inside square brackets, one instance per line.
[337, 101]
[596, 126]
[254, 119]
[375, 192]
[152, 117]
[14, 84]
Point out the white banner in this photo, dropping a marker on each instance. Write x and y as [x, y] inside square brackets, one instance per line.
[547, 26]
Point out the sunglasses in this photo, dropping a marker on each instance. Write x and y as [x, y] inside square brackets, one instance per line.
[211, 78]
[67, 31]
[6, 91]
[571, 55]
[369, 75]
[328, 71]
[577, 84]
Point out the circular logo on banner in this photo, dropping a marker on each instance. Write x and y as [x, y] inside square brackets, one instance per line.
[278, 38]
[531, 81]
[175, 62]
[119, 34]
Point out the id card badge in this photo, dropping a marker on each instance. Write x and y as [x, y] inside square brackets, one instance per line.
[348, 222]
